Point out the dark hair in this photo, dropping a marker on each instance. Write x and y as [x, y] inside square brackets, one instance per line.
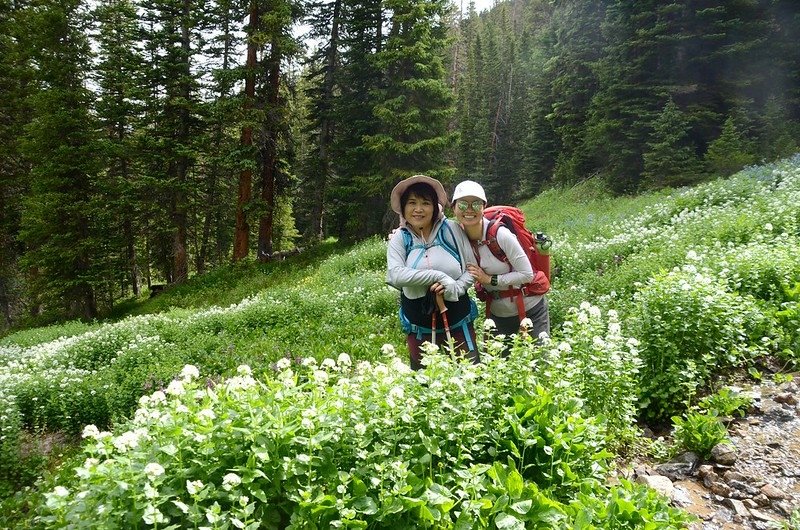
[421, 189]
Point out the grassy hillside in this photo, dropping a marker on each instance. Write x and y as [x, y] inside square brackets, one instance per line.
[653, 296]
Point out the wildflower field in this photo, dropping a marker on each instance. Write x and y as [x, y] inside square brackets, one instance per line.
[294, 407]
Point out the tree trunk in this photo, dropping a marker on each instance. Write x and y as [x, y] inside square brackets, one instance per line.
[316, 229]
[180, 254]
[270, 167]
[241, 241]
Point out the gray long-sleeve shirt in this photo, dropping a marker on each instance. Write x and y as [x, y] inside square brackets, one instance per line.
[414, 272]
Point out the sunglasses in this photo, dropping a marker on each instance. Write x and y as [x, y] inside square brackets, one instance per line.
[475, 205]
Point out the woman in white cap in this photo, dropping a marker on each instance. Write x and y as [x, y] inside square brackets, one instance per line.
[427, 258]
[501, 278]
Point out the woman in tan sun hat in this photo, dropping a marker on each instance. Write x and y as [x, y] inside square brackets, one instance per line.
[427, 258]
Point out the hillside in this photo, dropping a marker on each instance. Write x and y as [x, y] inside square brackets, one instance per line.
[655, 298]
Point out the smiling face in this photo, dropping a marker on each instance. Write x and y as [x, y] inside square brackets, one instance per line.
[418, 212]
[469, 211]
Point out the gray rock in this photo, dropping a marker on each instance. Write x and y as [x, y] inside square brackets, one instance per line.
[704, 470]
[724, 454]
[786, 398]
[660, 483]
[761, 499]
[688, 457]
[761, 516]
[733, 475]
[773, 493]
[680, 497]
[772, 410]
[720, 488]
[739, 509]
[675, 470]
[743, 487]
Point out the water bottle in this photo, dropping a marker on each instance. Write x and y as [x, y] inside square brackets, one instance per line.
[543, 243]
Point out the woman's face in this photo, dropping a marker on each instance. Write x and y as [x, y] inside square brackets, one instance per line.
[469, 211]
[418, 212]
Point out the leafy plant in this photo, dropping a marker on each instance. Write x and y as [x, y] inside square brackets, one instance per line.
[726, 402]
[699, 432]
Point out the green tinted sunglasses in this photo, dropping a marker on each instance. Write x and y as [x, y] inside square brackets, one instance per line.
[475, 205]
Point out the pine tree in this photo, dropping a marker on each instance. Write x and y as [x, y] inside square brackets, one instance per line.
[577, 46]
[172, 36]
[15, 85]
[119, 78]
[730, 152]
[64, 239]
[411, 107]
[322, 78]
[670, 159]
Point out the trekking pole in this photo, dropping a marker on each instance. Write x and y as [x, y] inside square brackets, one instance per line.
[443, 311]
[433, 328]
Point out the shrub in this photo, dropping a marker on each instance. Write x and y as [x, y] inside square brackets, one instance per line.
[690, 327]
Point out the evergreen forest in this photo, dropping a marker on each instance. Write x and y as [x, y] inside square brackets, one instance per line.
[144, 142]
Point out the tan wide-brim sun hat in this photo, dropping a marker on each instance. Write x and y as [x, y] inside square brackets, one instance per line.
[403, 185]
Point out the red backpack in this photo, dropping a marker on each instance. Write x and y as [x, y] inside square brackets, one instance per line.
[513, 219]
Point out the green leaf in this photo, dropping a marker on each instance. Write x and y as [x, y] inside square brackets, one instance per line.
[365, 505]
[504, 520]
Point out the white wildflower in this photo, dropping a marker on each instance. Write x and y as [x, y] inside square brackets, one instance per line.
[344, 359]
[328, 364]
[360, 429]
[158, 397]
[61, 491]
[768, 227]
[153, 516]
[181, 506]
[594, 311]
[194, 486]
[190, 372]
[283, 364]
[175, 388]
[230, 481]
[153, 470]
[90, 431]
[526, 323]
[306, 423]
[489, 325]
[388, 349]
[585, 305]
[244, 370]
[206, 414]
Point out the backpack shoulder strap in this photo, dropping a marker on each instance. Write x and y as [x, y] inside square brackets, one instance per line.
[491, 240]
[451, 246]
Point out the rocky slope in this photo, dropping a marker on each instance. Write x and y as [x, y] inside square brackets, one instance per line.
[752, 483]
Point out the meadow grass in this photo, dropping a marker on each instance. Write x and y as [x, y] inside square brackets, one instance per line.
[660, 291]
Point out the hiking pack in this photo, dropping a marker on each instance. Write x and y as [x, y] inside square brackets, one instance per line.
[535, 247]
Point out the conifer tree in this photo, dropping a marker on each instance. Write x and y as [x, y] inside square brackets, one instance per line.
[119, 79]
[64, 239]
[325, 19]
[577, 46]
[413, 105]
[730, 152]
[172, 34]
[670, 159]
[15, 86]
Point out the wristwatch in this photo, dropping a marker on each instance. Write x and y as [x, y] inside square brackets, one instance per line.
[494, 279]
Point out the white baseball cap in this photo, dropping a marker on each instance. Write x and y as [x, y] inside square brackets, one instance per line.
[469, 188]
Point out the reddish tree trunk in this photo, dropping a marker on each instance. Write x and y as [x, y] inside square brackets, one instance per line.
[241, 241]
